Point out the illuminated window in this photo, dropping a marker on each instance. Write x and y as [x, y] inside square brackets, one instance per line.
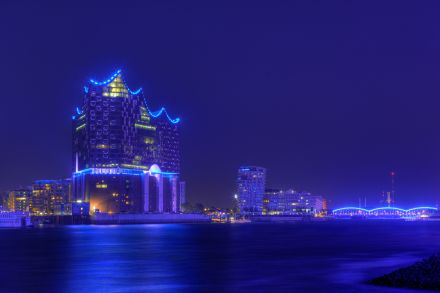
[81, 127]
[115, 89]
[149, 140]
[142, 126]
[101, 185]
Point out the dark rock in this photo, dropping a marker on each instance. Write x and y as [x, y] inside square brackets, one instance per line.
[421, 275]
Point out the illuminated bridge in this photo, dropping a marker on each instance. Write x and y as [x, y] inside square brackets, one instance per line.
[385, 212]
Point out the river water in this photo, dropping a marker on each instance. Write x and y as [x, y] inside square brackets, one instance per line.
[334, 256]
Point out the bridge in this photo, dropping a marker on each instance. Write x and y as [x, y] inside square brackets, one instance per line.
[385, 212]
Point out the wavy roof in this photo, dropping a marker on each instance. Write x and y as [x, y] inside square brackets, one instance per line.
[112, 78]
[154, 114]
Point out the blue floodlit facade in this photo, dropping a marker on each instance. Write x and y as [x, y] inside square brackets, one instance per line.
[251, 184]
[291, 202]
[126, 158]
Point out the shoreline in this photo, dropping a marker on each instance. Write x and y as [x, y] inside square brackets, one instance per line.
[422, 275]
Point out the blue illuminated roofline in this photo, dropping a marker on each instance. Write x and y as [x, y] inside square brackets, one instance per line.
[120, 171]
[156, 114]
[110, 79]
[46, 181]
[164, 173]
[422, 208]
[139, 90]
[78, 111]
[107, 81]
[350, 208]
[384, 208]
[387, 208]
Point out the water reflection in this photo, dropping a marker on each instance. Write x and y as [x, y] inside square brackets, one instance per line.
[314, 257]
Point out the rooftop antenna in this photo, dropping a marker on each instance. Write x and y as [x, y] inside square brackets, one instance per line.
[388, 201]
[392, 198]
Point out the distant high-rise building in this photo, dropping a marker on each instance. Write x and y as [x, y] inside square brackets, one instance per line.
[126, 158]
[251, 183]
[46, 194]
[20, 200]
[4, 200]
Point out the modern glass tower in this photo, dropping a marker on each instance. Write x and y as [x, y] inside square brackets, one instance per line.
[126, 158]
[251, 183]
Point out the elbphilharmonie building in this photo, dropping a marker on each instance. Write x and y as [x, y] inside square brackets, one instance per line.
[126, 157]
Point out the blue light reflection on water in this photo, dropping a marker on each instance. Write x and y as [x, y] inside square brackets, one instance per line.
[313, 257]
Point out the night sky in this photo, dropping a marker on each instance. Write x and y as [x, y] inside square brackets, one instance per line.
[329, 96]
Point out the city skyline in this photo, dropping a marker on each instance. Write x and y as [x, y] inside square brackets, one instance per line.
[219, 146]
[327, 104]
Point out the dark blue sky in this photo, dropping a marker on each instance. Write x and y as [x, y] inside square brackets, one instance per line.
[328, 95]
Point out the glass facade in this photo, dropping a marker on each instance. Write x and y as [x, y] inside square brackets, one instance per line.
[168, 146]
[291, 202]
[113, 129]
[251, 183]
[116, 142]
